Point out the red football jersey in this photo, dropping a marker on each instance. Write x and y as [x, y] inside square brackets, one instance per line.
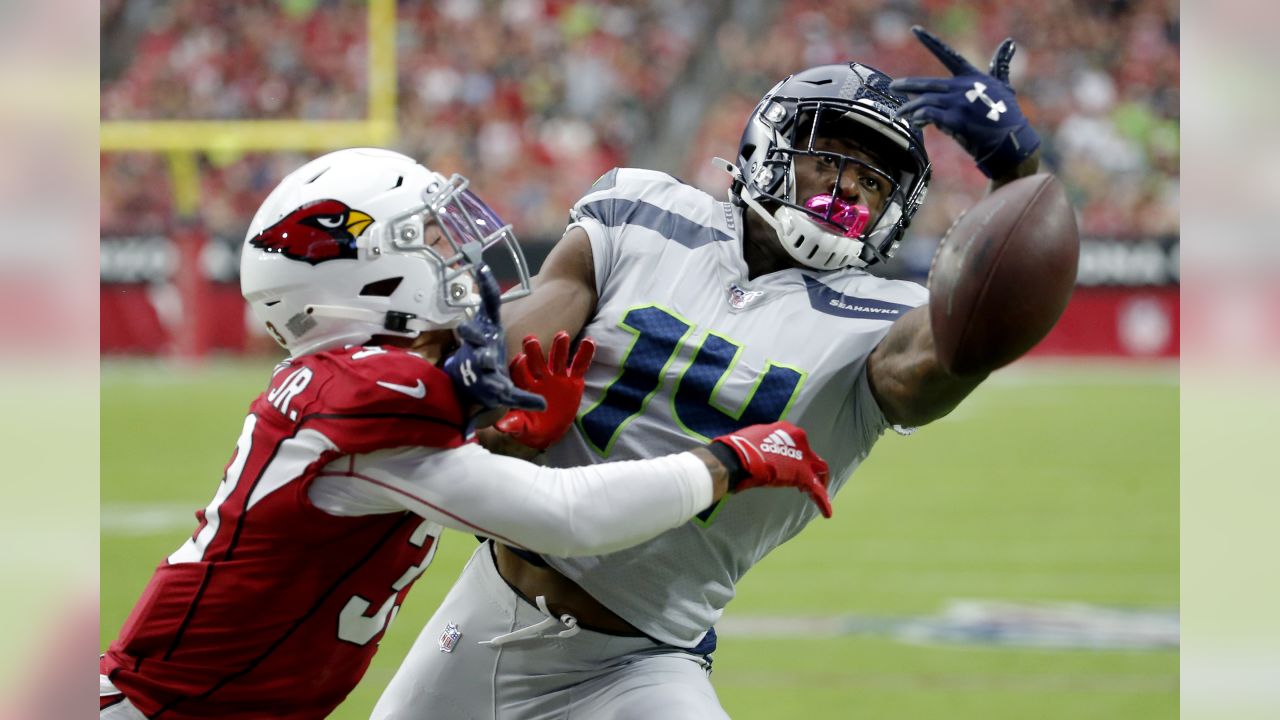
[274, 607]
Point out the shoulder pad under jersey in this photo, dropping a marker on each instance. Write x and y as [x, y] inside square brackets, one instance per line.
[366, 398]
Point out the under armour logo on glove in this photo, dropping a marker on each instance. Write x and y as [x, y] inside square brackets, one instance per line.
[466, 374]
[978, 109]
[979, 91]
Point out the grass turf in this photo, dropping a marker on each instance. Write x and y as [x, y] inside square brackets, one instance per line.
[1050, 483]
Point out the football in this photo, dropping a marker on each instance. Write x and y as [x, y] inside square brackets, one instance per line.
[1003, 274]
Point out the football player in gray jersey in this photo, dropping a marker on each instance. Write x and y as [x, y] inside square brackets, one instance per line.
[710, 316]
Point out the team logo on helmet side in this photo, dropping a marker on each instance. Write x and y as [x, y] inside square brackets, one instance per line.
[317, 232]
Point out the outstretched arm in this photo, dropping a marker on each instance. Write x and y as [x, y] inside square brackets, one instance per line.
[980, 111]
[572, 511]
[907, 380]
[567, 512]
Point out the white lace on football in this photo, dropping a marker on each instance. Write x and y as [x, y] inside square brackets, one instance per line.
[538, 630]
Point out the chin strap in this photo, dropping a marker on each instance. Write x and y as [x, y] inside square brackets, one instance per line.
[736, 173]
[728, 167]
[787, 222]
[393, 321]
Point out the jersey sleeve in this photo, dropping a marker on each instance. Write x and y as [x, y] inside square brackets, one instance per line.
[867, 412]
[869, 422]
[365, 399]
[592, 213]
[566, 512]
[621, 197]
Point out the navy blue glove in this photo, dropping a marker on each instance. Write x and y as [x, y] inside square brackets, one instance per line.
[976, 108]
[479, 367]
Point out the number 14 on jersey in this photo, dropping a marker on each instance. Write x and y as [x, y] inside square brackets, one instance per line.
[659, 334]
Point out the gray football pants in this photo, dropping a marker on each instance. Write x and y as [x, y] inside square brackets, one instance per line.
[586, 676]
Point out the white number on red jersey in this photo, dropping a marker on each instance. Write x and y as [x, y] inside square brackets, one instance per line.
[354, 626]
[193, 549]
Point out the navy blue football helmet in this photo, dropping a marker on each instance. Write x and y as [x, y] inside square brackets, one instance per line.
[846, 100]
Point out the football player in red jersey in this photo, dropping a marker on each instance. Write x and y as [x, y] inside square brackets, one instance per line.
[367, 267]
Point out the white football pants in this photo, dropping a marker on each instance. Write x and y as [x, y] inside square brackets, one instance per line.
[557, 674]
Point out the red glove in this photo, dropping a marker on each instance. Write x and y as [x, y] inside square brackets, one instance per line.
[557, 380]
[777, 455]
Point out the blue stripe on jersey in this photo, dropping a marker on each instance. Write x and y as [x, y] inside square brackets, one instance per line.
[832, 302]
[612, 212]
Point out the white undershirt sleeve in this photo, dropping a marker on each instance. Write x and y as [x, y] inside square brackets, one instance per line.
[588, 510]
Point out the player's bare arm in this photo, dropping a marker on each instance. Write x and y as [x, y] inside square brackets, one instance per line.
[562, 300]
[910, 384]
[563, 297]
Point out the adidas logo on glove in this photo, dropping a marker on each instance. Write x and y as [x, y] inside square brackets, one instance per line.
[774, 455]
[780, 443]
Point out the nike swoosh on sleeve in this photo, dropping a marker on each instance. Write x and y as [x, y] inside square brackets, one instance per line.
[416, 392]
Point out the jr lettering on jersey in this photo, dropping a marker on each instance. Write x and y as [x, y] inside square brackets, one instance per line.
[281, 395]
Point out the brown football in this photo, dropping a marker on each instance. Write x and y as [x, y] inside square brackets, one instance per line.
[1003, 275]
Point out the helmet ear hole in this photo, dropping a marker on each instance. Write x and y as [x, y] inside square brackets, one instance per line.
[381, 288]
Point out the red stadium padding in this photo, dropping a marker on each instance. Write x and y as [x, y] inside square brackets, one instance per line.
[131, 324]
[1116, 322]
[1100, 321]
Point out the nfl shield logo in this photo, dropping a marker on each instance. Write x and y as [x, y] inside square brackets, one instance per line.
[449, 638]
[739, 298]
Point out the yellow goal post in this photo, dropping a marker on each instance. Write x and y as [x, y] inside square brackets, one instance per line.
[182, 140]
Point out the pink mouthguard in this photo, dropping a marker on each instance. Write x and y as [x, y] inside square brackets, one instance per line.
[849, 218]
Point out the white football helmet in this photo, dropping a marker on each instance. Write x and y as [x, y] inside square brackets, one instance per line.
[366, 242]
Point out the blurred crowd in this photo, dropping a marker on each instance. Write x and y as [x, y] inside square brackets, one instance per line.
[534, 99]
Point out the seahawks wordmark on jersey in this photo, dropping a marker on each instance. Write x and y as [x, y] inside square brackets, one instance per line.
[688, 349]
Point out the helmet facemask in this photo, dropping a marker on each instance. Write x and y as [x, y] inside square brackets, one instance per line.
[826, 211]
[467, 229]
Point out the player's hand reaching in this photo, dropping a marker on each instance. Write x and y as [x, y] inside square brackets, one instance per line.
[479, 367]
[557, 380]
[775, 455]
[978, 109]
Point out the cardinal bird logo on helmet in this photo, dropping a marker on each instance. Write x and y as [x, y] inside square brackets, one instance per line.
[316, 232]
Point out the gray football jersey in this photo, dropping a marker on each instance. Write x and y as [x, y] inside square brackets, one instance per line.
[689, 349]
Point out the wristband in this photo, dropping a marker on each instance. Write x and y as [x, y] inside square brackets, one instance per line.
[731, 462]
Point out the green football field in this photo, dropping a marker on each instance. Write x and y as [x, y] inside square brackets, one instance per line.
[1053, 484]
